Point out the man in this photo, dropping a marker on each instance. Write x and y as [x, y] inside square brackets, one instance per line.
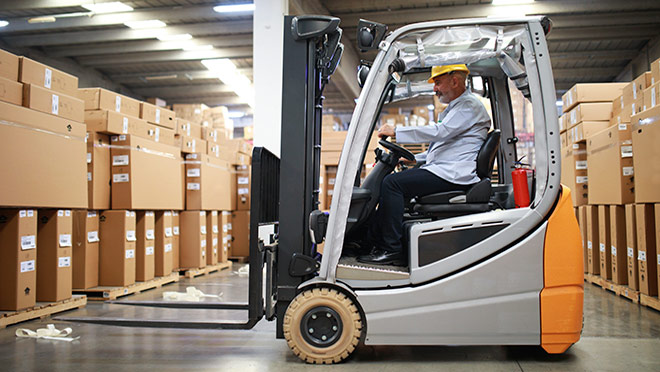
[451, 164]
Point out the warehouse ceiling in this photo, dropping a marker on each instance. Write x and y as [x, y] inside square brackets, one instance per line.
[592, 40]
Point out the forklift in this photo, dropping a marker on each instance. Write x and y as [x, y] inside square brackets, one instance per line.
[480, 270]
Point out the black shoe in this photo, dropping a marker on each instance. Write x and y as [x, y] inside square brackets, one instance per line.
[382, 257]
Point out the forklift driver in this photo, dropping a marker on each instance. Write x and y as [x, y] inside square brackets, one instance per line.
[454, 142]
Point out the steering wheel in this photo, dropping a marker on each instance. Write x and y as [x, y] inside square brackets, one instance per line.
[396, 149]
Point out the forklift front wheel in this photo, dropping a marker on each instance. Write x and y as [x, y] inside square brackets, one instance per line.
[322, 326]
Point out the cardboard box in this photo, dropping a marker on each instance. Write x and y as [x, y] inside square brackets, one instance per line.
[585, 129]
[145, 174]
[8, 65]
[193, 112]
[645, 139]
[240, 221]
[55, 175]
[241, 159]
[651, 96]
[646, 250]
[655, 71]
[212, 237]
[98, 171]
[110, 122]
[52, 102]
[18, 249]
[188, 128]
[11, 91]
[640, 83]
[593, 240]
[604, 242]
[610, 166]
[157, 115]
[563, 123]
[600, 111]
[157, 101]
[33, 72]
[85, 249]
[176, 240]
[582, 222]
[243, 187]
[592, 92]
[631, 247]
[118, 244]
[622, 116]
[145, 249]
[160, 135]
[164, 237]
[102, 99]
[191, 145]
[225, 235]
[637, 106]
[210, 134]
[193, 239]
[54, 257]
[237, 145]
[574, 172]
[207, 183]
[657, 242]
[618, 244]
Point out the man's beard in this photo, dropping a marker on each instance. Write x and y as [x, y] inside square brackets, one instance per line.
[442, 98]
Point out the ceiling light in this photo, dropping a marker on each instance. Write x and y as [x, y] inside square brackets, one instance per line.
[511, 2]
[161, 77]
[227, 72]
[45, 19]
[198, 47]
[234, 8]
[112, 7]
[152, 23]
[177, 37]
[431, 107]
[3, 23]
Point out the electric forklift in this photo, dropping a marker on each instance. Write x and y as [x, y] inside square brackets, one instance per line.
[480, 271]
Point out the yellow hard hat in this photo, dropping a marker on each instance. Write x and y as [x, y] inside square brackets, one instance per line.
[441, 70]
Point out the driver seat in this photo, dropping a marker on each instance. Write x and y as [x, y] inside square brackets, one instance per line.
[475, 199]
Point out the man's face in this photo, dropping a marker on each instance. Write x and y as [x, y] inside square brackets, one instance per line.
[443, 88]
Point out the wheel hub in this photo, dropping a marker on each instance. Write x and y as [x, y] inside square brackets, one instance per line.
[321, 326]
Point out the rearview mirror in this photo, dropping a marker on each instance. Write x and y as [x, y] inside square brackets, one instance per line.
[370, 34]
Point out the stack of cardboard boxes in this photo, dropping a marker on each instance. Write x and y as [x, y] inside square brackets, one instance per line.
[609, 137]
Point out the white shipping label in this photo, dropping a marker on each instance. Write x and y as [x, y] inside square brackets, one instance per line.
[193, 147]
[22, 214]
[589, 244]
[168, 247]
[130, 253]
[204, 252]
[27, 266]
[229, 226]
[623, 126]
[641, 256]
[634, 86]
[331, 192]
[659, 259]
[203, 229]
[128, 213]
[243, 191]
[203, 243]
[89, 176]
[215, 229]
[191, 156]
[92, 236]
[628, 171]
[631, 252]
[215, 251]
[601, 247]
[120, 160]
[55, 110]
[158, 116]
[168, 213]
[149, 251]
[626, 151]
[89, 157]
[331, 181]
[48, 78]
[570, 97]
[60, 213]
[579, 179]
[30, 213]
[120, 177]
[67, 213]
[118, 103]
[64, 262]
[224, 228]
[150, 234]
[65, 240]
[168, 232]
[613, 250]
[653, 97]
[28, 242]
[243, 180]
[193, 172]
[193, 186]
[187, 126]
[573, 116]
[215, 242]
[202, 214]
[175, 230]
[581, 164]
[157, 134]
[91, 214]
[130, 236]
[124, 125]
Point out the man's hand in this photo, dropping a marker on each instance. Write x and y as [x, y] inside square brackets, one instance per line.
[407, 162]
[386, 130]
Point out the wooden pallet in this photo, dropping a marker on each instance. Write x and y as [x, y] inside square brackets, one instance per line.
[240, 259]
[652, 302]
[192, 273]
[111, 293]
[617, 289]
[42, 310]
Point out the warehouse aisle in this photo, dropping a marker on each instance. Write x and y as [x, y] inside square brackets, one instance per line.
[617, 335]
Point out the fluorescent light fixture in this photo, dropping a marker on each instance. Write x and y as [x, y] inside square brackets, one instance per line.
[161, 77]
[111, 7]
[227, 72]
[234, 8]
[431, 107]
[511, 2]
[45, 19]
[3, 23]
[177, 37]
[152, 23]
[235, 114]
[198, 47]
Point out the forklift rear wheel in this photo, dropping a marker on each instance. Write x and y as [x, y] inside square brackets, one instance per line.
[322, 326]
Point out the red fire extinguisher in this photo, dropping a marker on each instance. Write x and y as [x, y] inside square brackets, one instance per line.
[520, 186]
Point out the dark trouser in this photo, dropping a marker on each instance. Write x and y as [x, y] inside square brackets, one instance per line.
[386, 229]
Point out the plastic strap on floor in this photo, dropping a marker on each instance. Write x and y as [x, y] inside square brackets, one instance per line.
[49, 333]
[192, 294]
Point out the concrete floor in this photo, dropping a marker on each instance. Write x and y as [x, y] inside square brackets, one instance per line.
[617, 336]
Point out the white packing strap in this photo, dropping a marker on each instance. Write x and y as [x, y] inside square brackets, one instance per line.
[245, 270]
[17, 125]
[144, 150]
[191, 294]
[49, 333]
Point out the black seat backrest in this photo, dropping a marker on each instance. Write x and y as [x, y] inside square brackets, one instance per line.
[486, 155]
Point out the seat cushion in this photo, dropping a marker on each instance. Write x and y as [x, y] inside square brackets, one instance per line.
[439, 197]
[432, 209]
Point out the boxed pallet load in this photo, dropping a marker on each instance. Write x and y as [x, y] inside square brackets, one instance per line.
[85, 249]
[240, 222]
[103, 99]
[157, 115]
[604, 242]
[645, 139]
[192, 111]
[55, 175]
[118, 244]
[52, 102]
[11, 91]
[208, 182]
[574, 172]
[225, 235]
[582, 222]
[610, 166]
[591, 92]
[18, 248]
[192, 253]
[145, 247]
[8, 65]
[618, 244]
[33, 72]
[646, 249]
[631, 247]
[593, 242]
[98, 171]
[212, 237]
[54, 256]
[163, 248]
[176, 239]
[110, 122]
[145, 174]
